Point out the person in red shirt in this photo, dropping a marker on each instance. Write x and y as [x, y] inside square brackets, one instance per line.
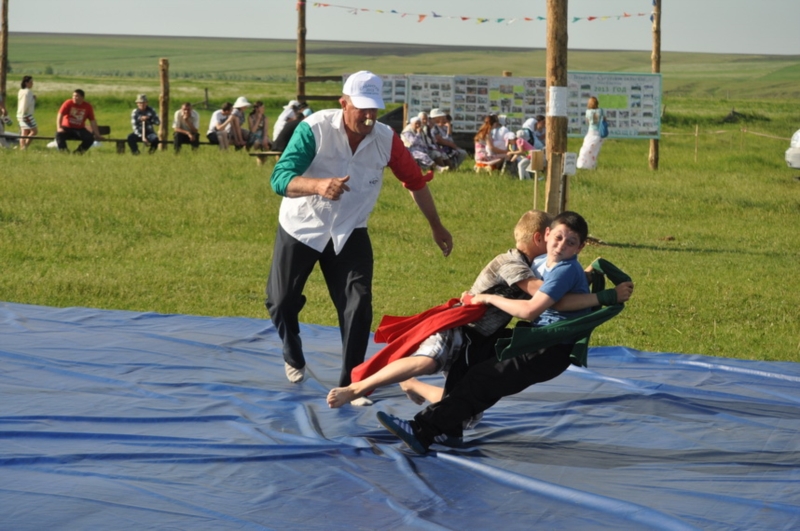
[71, 123]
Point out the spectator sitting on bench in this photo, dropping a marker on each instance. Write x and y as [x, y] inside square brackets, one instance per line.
[143, 120]
[290, 112]
[258, 124]
[282, 140]
[186, 127]
[237, 128]
[217, 127]
[71, 123]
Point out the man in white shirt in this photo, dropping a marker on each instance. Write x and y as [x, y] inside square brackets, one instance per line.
[186, 126]
[330, 175]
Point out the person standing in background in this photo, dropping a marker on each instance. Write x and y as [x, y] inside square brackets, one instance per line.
[592, 142]
[26, 104]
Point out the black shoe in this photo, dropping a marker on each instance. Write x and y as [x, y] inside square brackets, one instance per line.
[403, 430]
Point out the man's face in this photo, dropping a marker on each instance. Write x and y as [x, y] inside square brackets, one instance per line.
[77, 99]
[186, 111]
[562, 243]
[441, 121]
[359, 121]
[141, 105]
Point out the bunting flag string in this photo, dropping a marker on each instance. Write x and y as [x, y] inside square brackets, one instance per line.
[478, 20]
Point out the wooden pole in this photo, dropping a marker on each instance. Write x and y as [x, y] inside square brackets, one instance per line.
[4, 52]
[655, 60]
[696, 139]
[555, 190]
[163, 103]
[301, 50]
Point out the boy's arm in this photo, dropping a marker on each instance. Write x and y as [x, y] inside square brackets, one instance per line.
[522, 309]
[580, 301]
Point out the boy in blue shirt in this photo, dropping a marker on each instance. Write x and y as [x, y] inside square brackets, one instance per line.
[487, 382]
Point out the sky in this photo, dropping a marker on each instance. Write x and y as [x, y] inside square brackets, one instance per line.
[714, 26]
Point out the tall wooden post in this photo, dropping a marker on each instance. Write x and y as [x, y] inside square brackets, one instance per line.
[4, 51]
[556, 189]
[301, 50]
[655, 60]
[163, 102]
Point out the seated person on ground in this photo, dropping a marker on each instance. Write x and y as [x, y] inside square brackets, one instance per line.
[237, 126]
[486, 152]
[414, 141]
[443, 141]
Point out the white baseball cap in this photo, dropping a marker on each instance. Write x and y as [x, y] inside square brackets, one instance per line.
[292, 104]
[364, 89]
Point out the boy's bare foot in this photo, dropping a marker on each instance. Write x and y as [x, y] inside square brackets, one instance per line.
[339, 396]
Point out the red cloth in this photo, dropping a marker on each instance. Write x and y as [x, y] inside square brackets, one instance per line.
[403, 335]
[74, 115]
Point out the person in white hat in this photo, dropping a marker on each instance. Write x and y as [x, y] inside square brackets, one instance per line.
[237, 127]
[330, 176]
[288, 114]
[143, 122]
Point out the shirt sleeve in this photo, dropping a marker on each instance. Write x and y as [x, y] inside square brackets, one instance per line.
[561, 280]
[295, 159]
[405, 168]
[90, 113]
[135, 120]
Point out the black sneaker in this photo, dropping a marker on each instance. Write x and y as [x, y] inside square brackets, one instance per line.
[403, 430]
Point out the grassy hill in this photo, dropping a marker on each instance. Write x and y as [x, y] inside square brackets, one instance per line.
[697, 75]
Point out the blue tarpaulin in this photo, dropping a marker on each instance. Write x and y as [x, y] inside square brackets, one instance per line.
[123, 420]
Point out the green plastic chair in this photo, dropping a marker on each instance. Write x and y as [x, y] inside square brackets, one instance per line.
[527, 338]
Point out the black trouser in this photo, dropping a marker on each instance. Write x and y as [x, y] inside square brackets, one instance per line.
[348, 276]
[134, 138]
[484, 384]
[179, 139]
[72, 133]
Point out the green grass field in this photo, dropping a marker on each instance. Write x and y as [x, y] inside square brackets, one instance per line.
[710, 238]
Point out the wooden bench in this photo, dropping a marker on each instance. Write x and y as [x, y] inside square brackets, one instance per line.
[262, 156]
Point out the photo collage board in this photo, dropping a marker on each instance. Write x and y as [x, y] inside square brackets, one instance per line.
[468, 99]
[631, 102]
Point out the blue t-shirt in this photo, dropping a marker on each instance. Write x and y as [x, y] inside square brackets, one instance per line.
[564, 277]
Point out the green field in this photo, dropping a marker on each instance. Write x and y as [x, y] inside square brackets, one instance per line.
[710, 238]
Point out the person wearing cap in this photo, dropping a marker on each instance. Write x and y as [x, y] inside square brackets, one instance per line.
[499, 132]
[290, 112]
[330, 176]
[143, 122]
[444, 142]
[237, 126]
[186, 127]
[537, 128]
[71, 123]
[280, 142]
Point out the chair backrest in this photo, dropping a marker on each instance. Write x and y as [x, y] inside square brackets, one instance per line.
[526, 339]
